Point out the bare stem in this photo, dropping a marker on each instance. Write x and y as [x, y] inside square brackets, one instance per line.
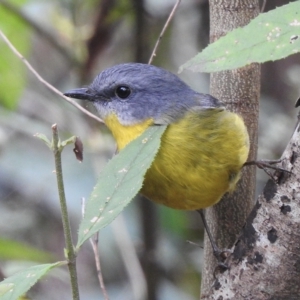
[42, 80]
[94, 242]
[263, 6]
[70, 253]
[163, 31]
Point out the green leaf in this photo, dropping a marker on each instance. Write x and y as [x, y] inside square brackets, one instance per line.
[12, 70]
[43, 138]
[17, 285]
[119, 182]
[270, 36]
[69, 141]
[18, 251]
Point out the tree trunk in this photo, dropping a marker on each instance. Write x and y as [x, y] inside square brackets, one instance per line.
[239, 90]
[265, 263]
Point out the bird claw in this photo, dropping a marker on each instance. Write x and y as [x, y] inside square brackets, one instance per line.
[266, 164]
[221, 255]
[220, 268]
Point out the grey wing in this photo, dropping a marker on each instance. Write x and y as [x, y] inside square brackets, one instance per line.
[199, 102]
[208, 101]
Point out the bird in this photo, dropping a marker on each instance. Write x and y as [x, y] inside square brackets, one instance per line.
[203, 148]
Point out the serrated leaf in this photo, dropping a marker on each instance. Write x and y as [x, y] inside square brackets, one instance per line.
[270, 36]
[19, 251]
[119, 182]
[17, 285]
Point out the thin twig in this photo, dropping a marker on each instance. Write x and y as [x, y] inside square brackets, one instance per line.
[70, 252]
[42, 80]
[94, 242]
[263, 6]
[163, 31]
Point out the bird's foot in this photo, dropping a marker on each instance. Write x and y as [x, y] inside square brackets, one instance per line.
[221, 255]
[266, 165]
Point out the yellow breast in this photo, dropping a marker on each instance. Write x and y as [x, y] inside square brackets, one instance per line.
[125, 134]
[199, 160]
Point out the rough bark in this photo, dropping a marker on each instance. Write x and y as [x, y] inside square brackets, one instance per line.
[265, 263]
[239, 90]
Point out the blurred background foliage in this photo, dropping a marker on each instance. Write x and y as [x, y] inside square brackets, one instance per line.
[68, 42]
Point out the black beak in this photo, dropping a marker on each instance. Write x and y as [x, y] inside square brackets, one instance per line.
[81, 93]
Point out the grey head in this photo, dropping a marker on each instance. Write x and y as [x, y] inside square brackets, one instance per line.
[135, 92]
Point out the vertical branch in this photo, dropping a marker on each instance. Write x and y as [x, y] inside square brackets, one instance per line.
[70, 253]
[102, 34]
[150, 227]
[239, 90]
[148, 210]
[141, 29]
[264, 263]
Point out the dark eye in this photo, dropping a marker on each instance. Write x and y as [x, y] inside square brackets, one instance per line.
[123, 91]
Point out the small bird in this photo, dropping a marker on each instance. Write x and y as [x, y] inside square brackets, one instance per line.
[203, 147]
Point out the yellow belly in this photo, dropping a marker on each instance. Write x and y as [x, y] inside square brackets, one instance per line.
[199, 160]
